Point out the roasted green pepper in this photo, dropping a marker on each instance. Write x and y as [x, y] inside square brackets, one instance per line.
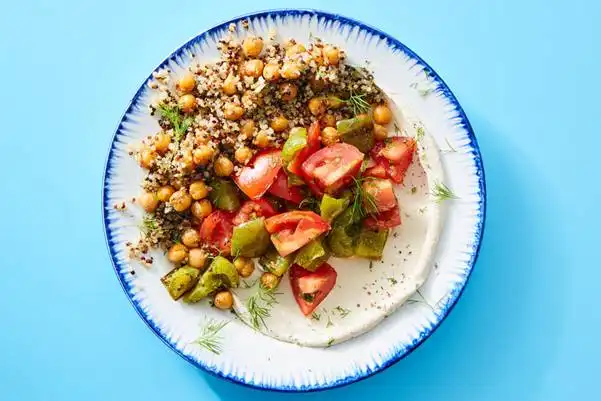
[180, 280]
[221, 273]
[224, 195]
[297, 141]
[331, 207]
[357, 131]
[225, 268]
[274, 263]
[345, 229]
[370, 244]
[312, 255]
[250, 239]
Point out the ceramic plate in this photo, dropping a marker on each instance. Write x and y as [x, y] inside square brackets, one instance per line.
[378, 312]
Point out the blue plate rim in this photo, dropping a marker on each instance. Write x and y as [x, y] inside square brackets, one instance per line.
[457, 291]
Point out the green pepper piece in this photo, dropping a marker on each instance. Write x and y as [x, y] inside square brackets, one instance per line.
[357, 131]
[208, 283]
[180, 280]
[341, 238]
[274, 263]
[370, 244]
[297, 141]
[225, 268]
[250, 239]
[334, 102]
[224, 195]
[331, 207]
[294, 180]
[312, 255]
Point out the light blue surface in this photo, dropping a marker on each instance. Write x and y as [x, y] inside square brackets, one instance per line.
[528, 326]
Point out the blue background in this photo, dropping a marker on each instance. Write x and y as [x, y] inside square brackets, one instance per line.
[528, 327]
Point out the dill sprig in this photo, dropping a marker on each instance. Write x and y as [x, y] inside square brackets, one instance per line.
[343, 312]
[180, 124]
[441, 193]
[209, 338]
[310, 203]
[420, 134]
[451, 149]
[357, 103]
[363, 202]
[259, 306]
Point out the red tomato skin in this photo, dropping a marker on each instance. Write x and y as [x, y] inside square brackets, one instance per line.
[319, 283]
[380, 170]
[292, 219]
[388, 219]
[395, 157]
[290, 240]
[281, 189]
[256, 178]
[332, 167]
[252, 209]
[313, 143]
[382, 193]
[216, 229]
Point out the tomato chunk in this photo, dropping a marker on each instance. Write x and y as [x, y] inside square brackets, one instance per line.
[332, 167]
[382, 194]
[281, 189]
[395, 156]
[216, 230]
[253, 209]
[313, 143]
[388, 219]
[292, 230]
[256, 178]
[311, 288]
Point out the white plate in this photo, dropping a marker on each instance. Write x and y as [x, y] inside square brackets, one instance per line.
[251, 358]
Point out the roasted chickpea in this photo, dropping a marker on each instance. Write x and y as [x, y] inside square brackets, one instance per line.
[262, 140]
[161, 142]
[252, 46]
[271, 72]
[229, 85]
[147, 158]
[317, 84]
[233, 112]
[328, 120]
[288, 91]
[223, 300]
[186, 83]
[148, 201]
[279, 124]
[197, 258]
[295, 49]
[317, 106]
[332, 55]
[198, 190]
[180, 200]
[382, 114]
[223, 166]
[203, 155]
[187, 103]
[165, 192]
[201, 209]
[290, 71]
[329, 136]
[177, 253]
[269, 280]
[191, 238]
[380, 132]
[243, 155]
[248, 129]
[253, 68]
[187, 160]
[244, 266]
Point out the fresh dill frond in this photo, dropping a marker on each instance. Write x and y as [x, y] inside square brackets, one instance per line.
[330, 342]
[420, 134]
[363, 202]
[451, 149]
[209, 338]
[259, 306]
[316, 316]
[441, 193]
[180, 125]
[424, 92]
[310, 203]
[357, 103]
[343, 312]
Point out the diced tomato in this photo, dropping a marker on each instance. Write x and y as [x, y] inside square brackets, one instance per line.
[252, 209]
[292, 230]
[216, 230]
[332, 167]
[379, 170]
[388, 219]
[256, 178]
[281, 189]
[311, 288]
[313, 143]
[381, 192]
[395, 156]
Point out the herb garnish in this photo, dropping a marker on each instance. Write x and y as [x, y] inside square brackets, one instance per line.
[420, 134]
[260, 304]
[451, 149]
[357, 103]
[316, 316]
[209, 338]
[441, 193]
[180, 125]
[330, 342]
[363, 202]
[342, 311]
[309, 203]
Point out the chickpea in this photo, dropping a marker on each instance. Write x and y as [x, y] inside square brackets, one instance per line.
[248, 129]
[316, 83]
[288, 91]
[191, 238]
[201, 209]
[328, 120]
[177, 253]
[317, 106]
[233, 112]
[187, 103]
[148, 201]
[223, 166]
[262, 139]
[382, 114]
[252, 98]
[165, 192]
[243, 155]
[253, 68]
[223, 300]
[161, 142]
[332, 55]
[147, 158]
[279, 124]
[269, 280]
[186, 83]
[180, 200]
[198, 190]
[271, 72]
[317, 54]
[380, 132]
[252, 46]
[197, 258]
[203, 155]
[229, 85]
[295, 49]
[187, 160]
[244, 266]
[329, 136]
[290, 71]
